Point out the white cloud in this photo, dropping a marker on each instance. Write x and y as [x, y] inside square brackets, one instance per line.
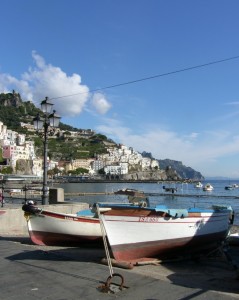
[51, 81]
[193, 135]
[45, 80]
[100, 103]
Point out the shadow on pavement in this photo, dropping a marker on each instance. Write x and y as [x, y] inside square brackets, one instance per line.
[214, 273]
[218, 273]
[55, 253]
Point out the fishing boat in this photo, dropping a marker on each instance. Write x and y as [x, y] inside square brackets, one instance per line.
[50, 228]
[208, 187]
[139, 233]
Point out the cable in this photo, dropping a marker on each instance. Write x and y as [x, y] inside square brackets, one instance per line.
[154, 76]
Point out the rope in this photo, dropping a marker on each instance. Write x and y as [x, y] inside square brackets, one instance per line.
[103, 231]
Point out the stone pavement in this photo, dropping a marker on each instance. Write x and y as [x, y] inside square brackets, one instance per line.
[34, 272]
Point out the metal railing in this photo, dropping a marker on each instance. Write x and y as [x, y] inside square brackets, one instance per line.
[20, 194]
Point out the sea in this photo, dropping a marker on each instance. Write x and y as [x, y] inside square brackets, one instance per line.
[186, 196]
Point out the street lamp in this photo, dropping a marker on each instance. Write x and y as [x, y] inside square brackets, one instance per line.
[52, 120]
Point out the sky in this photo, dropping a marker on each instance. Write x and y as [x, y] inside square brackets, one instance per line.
[158, 76]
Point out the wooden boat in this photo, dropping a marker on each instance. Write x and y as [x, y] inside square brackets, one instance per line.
[208, 187]
[51, 228]
[138, 233]
[130, 192]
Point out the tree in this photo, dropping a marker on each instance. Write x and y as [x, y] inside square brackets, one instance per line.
[101, 171]
[53, 172]
[7, 170]
[79, 171]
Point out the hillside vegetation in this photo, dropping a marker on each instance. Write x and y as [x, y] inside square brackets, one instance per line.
[13, 111]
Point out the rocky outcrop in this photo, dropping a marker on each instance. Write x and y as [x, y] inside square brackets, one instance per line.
[11, 99]
[181, 170]
[24, 167]
[153, 175]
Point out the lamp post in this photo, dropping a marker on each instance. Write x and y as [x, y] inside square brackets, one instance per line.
[52, 120]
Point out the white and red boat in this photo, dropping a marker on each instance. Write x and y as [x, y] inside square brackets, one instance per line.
[137, 233]
[51, 228]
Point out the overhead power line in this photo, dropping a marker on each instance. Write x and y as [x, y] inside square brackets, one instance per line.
[154, 76]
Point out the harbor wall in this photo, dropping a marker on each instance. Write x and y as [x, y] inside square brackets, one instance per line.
[13, 222]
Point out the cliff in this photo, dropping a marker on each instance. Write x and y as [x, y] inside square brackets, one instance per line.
[159, 175]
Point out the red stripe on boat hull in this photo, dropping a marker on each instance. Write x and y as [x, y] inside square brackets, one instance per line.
[168, 248]
[56, 239]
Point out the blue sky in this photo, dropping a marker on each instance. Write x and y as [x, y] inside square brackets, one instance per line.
[71, 50]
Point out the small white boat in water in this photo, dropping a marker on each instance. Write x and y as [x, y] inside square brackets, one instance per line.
[208, 187]
[198, 185]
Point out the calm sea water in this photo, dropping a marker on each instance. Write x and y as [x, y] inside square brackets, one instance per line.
[186, 196]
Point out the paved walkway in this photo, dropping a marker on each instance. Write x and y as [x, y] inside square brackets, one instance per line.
[32, 272]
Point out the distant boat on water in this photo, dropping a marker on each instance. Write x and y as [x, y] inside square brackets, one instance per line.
[170, 189]
[198, 185]
[208, 187]
[130, 192]
[229, 187]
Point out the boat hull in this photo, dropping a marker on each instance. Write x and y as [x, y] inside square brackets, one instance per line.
[155, 235]
[51, 229]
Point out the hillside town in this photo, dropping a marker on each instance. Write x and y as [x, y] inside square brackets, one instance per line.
[119, 159]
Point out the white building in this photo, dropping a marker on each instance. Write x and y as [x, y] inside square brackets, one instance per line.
[124, 168]
[37, 167]
[97, 165]
[112, 170]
